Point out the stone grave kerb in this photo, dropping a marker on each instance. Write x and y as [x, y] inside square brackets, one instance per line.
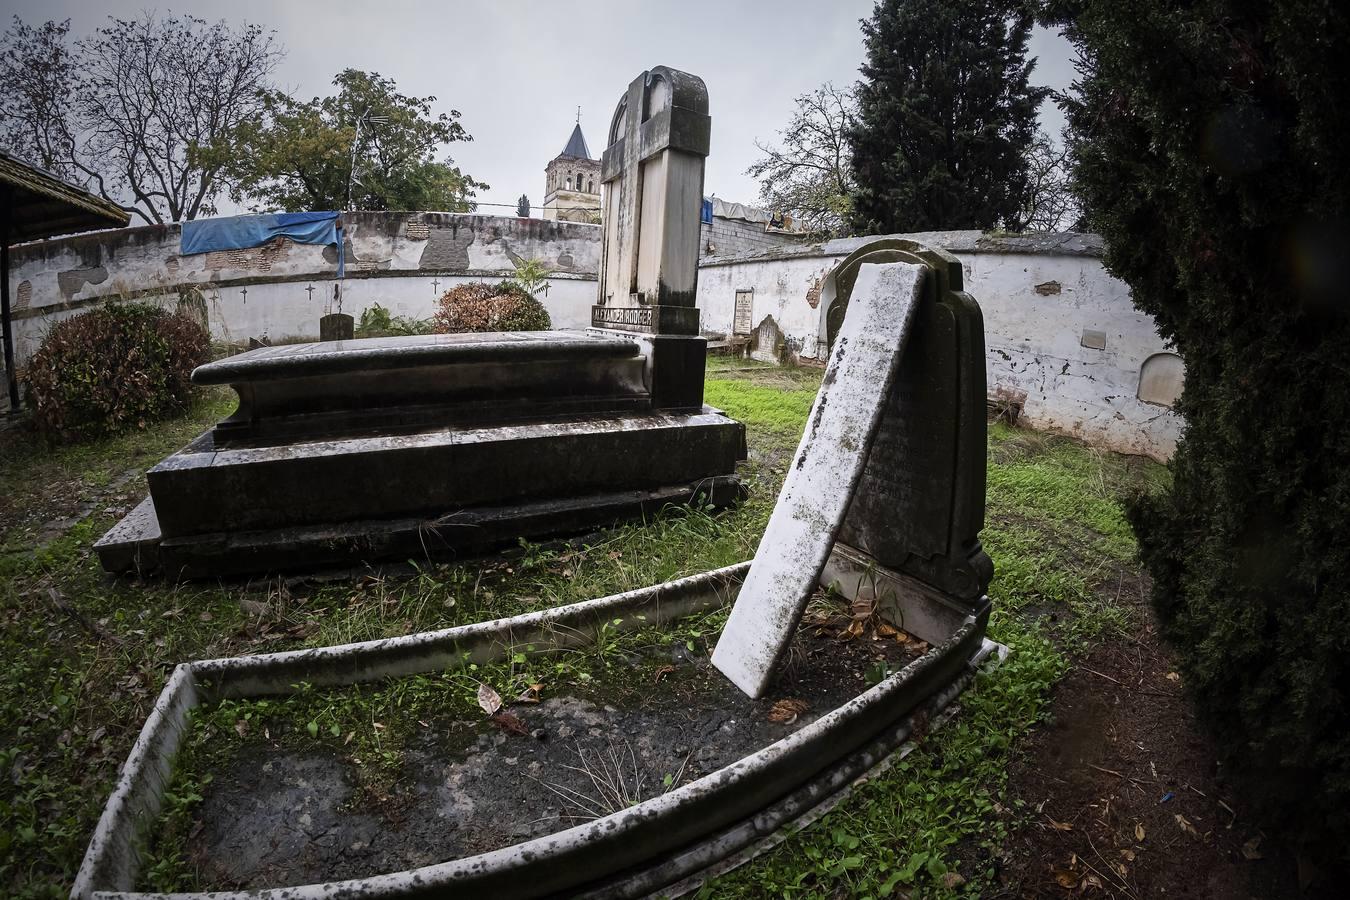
[652, 178]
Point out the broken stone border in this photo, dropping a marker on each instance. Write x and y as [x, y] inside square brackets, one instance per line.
[670, 842]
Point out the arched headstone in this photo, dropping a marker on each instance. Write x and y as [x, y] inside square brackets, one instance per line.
[1161, 379]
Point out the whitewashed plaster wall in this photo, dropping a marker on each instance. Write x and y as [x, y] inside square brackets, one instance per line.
[403, 261]
[1062, 337]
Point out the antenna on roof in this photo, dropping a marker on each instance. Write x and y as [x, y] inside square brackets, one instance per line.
[578, 115]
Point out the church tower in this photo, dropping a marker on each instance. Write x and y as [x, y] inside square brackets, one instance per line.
[572, 189]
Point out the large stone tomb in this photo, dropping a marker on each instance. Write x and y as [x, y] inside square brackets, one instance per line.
[434, 445]
[350, 451]
[885, 498]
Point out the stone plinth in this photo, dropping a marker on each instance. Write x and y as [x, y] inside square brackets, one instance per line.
[421, 446]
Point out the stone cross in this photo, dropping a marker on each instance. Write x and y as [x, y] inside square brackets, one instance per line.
[652, 173]
[435, 285]
[310, 291]
[244, 291]
[885, 499]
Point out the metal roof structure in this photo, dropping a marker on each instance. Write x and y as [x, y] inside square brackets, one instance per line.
[34, 205]
[576, 145]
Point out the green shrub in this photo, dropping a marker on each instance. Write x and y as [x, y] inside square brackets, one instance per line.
[1211, 155]
[114, 368]
[377, 322]
[480, 307]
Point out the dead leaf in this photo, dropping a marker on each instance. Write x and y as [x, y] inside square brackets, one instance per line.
[862, 609]
[886, 629]
[1252, 849]
[1128, 854]
[1185, 825]
[921, 647]
[241, 728]
[205, 616]
[1173, 676]
[530, 694]
[511, 722]
[1066, 879]
[664, 671]
[1093, 881]
[1060, 826]
[953, 880]
[488, 699]
[787, 711]
[1138, 831]
[348, 739]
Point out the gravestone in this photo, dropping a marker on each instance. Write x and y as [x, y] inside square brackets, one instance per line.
[885, 498]
[453, 444]
[337, 327]
[652, 177]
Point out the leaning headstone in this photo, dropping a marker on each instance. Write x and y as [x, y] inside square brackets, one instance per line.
[652, 172]
[885, 498]
[337, 327]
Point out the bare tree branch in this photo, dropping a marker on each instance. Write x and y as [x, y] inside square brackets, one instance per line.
[808, 175]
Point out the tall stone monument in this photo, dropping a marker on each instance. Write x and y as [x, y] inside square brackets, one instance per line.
[652, 173]
[350, 451]
[885, 499]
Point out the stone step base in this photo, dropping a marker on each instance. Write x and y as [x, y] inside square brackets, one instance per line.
[135, 544]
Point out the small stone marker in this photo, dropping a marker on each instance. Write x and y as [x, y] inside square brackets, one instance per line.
[337, 327]
[828, 463]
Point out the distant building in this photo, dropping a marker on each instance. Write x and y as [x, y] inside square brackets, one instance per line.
[572, 191]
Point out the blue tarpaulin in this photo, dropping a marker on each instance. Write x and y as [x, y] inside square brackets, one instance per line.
[239, 232]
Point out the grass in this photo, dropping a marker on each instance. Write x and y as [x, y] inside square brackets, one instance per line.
[72, 700]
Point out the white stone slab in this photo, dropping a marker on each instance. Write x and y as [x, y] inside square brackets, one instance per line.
[825, 470]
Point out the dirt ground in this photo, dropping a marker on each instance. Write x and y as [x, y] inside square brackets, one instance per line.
[277, 816]
[1126, 796]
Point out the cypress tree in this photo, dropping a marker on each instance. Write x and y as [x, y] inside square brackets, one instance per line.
[1211, 147]
[945, 116]
[523, 206]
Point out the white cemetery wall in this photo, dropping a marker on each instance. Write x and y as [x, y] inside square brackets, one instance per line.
[403, 261]
[1062, 337]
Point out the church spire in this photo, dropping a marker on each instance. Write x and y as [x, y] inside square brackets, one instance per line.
[576, 145]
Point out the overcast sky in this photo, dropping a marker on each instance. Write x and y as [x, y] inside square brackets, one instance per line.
[517, 70]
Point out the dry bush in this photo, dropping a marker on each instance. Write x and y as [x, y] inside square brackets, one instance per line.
[481, 307]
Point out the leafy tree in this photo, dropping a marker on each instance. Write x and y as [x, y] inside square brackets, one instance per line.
[523, 207]
[135, 111]
[809, 175]
[365, 147]
[945, 116]
[1211, 156]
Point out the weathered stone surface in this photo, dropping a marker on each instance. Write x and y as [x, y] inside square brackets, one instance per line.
[347, 387]
[919, 506]
[436, 472]
[465, 533]
[886, 495]
[825, 470]
[337, 327]
[652, 171]
[653, 176]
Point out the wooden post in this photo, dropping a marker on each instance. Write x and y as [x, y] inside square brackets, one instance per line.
[10, 375]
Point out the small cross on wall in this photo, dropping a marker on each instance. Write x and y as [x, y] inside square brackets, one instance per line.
[435, 285]
[244, 291]
[310, 290]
